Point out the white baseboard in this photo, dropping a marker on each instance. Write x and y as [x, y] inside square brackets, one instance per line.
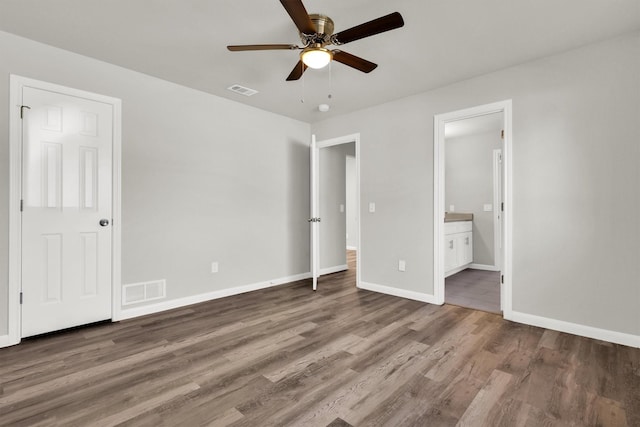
[485, 267]
[456, 270]
[402, 293]
[334, 269]
[129, 313]
[575, 328]
[352, 248]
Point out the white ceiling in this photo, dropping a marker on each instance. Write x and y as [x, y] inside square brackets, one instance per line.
[443, 41]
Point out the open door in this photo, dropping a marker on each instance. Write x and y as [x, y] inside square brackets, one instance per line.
[331, 234]
[314, 219]
[498, 232]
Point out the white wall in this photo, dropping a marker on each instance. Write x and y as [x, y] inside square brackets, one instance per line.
[469, 186]
[197, 188]
[203, 178]
[576, 234]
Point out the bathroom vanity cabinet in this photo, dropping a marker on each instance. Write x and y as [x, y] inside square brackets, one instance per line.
[458, 246]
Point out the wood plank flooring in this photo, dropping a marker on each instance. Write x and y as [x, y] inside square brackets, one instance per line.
[471, 288]
[287, 356]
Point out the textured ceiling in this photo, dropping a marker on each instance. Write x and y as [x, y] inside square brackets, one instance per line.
[443, 41]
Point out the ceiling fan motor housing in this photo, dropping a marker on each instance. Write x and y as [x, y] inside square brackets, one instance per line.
[324, 30]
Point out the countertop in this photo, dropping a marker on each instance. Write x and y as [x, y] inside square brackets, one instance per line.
[457, 216]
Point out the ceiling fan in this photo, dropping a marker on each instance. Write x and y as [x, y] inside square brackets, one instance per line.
[316, 32]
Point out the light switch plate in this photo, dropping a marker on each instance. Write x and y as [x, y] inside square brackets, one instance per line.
[488, 207]
[452, 208]
[402, 265]
[214, 267]
[341, 208]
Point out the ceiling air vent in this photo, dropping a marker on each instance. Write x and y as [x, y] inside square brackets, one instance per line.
[242, 90]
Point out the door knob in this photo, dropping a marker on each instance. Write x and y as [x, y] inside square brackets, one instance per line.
[104, 222]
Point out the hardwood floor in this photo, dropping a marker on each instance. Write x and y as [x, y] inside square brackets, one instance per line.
[477, 289]
[287, 356]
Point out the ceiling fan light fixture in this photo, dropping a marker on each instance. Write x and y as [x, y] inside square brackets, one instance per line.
[316, 32]
[316, 57]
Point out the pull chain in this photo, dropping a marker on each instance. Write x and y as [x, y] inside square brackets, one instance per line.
[330, 81]
[302, 65]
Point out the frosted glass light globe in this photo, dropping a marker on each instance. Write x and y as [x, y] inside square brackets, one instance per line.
[317, 57]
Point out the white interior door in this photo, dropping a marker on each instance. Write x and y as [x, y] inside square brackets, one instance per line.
[67, 211]
[314, 219]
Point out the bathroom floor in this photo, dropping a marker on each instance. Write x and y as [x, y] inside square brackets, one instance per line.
[477, 289]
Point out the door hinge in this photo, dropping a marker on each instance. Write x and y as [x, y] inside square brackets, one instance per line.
[502, 134]
[22, 107]
[20, 297]
[502, 278]
[21, 205]
[502, 206]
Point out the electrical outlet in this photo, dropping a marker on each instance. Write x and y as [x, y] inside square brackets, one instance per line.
[452, 208]
[214, 267]
[402, 265]
[372, 207]
[341, 208]
[488, 207]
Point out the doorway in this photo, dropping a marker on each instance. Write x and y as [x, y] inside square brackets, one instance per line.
[65, 212]
[335, 199]
[454, 248]
[473, 169]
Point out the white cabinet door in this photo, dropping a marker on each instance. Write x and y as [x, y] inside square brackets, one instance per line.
[458, 246]
[450, 252]
[465, 248]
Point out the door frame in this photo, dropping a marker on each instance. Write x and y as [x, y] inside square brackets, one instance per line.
[497, 218]
[16, 84]
[439, 121]
[346, 139]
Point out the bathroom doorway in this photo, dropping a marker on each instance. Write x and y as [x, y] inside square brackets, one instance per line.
[473, 150]
[472, 245]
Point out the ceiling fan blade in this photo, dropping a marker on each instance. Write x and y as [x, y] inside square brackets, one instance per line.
[299, 15]
[385, 23]
[354, 61]
[238, 48]
[297, 71]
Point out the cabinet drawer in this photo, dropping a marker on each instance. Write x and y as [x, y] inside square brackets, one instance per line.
[465, 226]
[457, 227]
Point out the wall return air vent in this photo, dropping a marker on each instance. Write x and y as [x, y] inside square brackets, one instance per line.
[134, 293]
[242, 90]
